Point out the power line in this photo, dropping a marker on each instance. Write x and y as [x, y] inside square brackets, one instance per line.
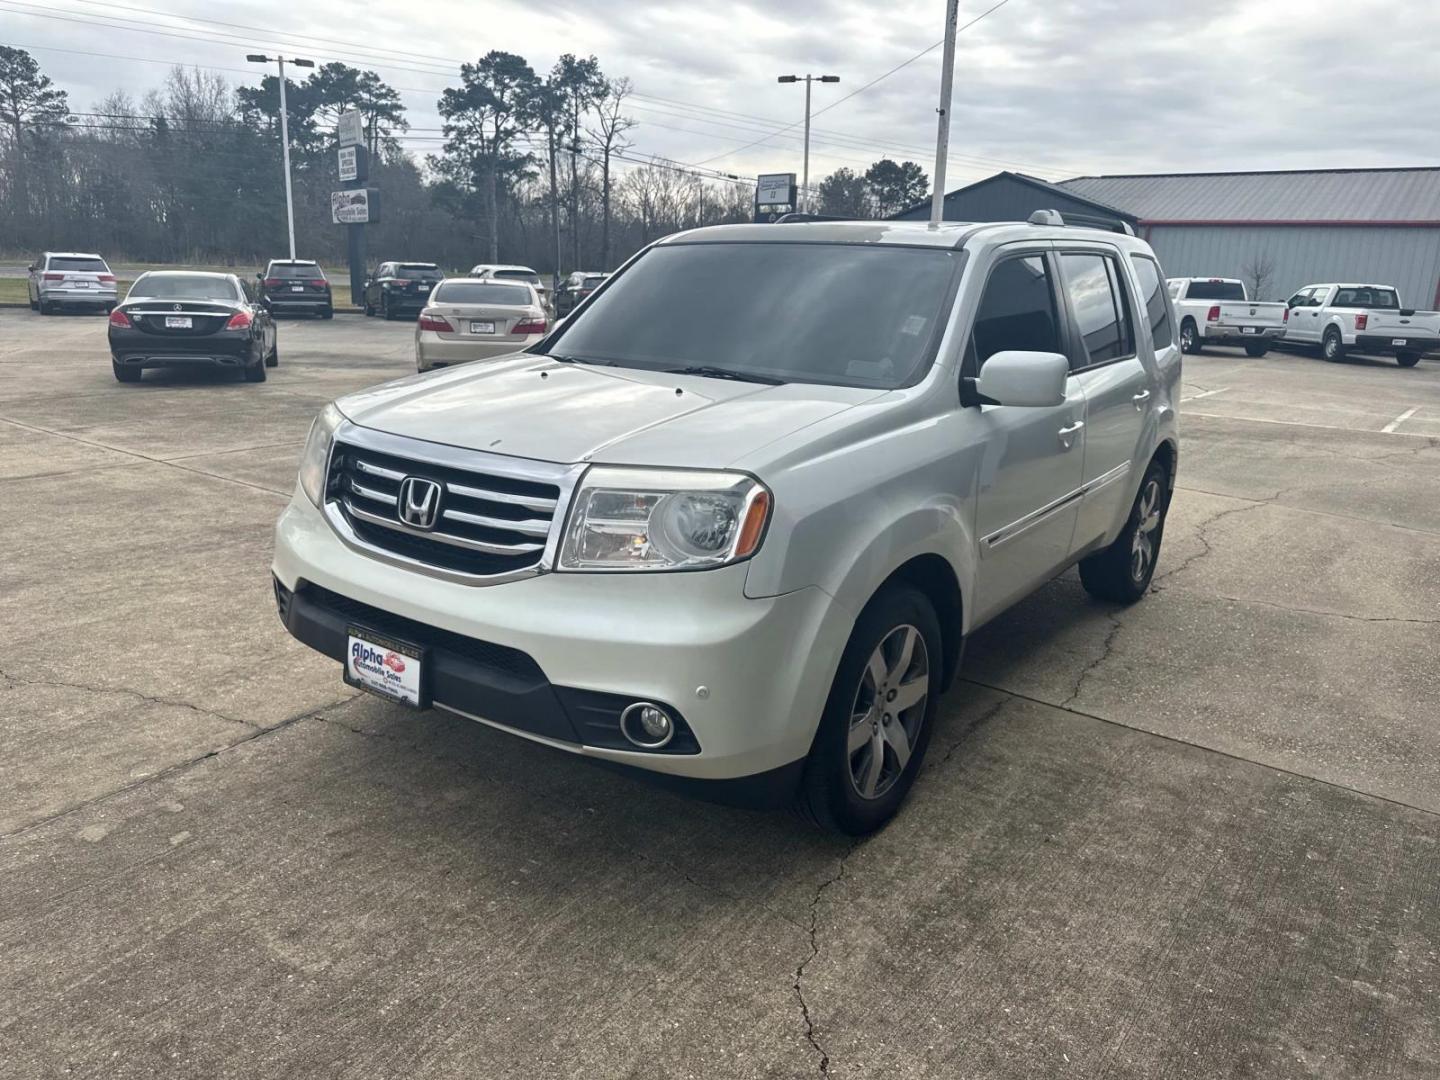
[867, 86]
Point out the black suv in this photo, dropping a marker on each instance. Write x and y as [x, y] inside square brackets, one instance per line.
[295, 285]
[400, 288]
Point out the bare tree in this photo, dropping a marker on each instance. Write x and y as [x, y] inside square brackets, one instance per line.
[610, 135]
[1258, 272]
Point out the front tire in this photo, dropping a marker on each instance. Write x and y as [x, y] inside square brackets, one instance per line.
[1189, 337]
[1256, 351]
[877, 721]
[1407, 359]
[1332, 347]
[1121, 573]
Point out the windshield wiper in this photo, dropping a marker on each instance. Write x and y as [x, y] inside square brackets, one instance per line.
[710, 372]
[564, 359]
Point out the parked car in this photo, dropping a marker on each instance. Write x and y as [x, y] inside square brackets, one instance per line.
[515, 273]
[743, 552]
[60, 279]
[1367, 318]
[1218, 311]
[295, 286]
[474, 319]
[577, 286]
[400, 288]
[184, 318]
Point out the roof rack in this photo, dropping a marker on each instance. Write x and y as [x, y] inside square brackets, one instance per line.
[1052, 217]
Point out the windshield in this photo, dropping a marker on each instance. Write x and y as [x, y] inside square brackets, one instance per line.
[471, 292]
[183, 287]
[844, 314]
[309, 271]
[518, 275]
[1380, 299]
[414, 272]
[88, 266]
[1216, 290]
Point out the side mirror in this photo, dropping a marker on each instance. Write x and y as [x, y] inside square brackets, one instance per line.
[33, 267]
[1026, 379]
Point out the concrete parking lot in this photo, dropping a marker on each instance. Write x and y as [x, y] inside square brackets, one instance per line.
[1197, 837]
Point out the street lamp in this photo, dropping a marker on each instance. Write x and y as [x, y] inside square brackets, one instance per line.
[807, 80]
[260, 58]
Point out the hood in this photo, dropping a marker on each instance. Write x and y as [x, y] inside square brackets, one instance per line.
[534, 407]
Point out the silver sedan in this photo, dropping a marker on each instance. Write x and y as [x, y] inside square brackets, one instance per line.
[469, 319]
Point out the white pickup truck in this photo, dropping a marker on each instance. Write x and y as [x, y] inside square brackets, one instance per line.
[1366, 318]
[1217, 311]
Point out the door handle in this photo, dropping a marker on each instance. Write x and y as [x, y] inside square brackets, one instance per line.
[1068, 432]
[1140, 399]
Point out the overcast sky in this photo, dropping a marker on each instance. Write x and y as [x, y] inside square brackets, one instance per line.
[1052, 87]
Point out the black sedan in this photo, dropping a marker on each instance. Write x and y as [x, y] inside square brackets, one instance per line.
[401, 288]
[178, 318]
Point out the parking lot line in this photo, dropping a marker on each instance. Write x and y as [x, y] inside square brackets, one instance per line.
[1205, 393]
[1322, 427]
[1390, 427]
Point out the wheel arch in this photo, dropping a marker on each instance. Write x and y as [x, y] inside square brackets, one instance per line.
[933, 575]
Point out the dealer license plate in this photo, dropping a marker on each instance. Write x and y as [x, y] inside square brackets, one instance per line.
[1249, 330]
[481, 327]
[1399, 341]
[179, 322]
[297, 288]
[382, 665]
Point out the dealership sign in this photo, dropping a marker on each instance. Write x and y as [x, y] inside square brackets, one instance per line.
[775, 189]
[359, 206]
[352, 130]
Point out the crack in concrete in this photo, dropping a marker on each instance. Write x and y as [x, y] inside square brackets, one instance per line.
[970, 729]
[13, 681]
[1251, 601]
[1202, 531]
[1105, 649]
[810, 1036]
[168, 771]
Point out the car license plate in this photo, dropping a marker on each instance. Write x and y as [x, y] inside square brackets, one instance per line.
[382, 665]
[297, 288]
[1399, 341]
[179, 322]
[481, 327]
[1249, 330]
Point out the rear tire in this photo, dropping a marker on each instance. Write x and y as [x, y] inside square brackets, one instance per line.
[1189, 337]
[34, 305]
[385, 310]
[44, 308]
[1407, 359]
[1121, 573]
[327, 313]
[255, 372]
[1332, 346]
[123, 373]
[1256, 351]
[894, 653]
[273, 360]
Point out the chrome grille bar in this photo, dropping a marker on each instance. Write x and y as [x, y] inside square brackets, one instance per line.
[529, 528]
[444, 538]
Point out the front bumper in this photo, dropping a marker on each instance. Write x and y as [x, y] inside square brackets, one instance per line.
[137, 349]
[431, 350]
[1389, 345]
[749, 677]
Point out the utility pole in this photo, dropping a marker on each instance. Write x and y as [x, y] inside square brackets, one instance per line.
[259, 58]
[942, 135]
[805, 174]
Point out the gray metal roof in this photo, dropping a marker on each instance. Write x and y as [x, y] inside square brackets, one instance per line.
[1326, 195]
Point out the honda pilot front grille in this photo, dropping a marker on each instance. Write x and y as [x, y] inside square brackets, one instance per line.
[429, 509]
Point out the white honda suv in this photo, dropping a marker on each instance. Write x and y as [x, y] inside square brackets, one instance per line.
[732, 522]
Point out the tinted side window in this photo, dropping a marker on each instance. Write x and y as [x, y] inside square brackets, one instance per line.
[1016, 312]
[1099, 313]
[1152, 291]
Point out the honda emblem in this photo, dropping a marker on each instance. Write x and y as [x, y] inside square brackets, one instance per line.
[419, 502]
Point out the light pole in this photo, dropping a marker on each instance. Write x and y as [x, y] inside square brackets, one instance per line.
[807, 79]
[260, 58]
[942, 132]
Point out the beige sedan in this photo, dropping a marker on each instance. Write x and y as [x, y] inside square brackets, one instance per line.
[469, 319]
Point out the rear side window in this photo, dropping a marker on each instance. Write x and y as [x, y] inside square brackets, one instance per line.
[1101, 313]
[308, 271]
[1017, 311]
[1152, 292]
[1384, 299]
[471, 292]
[86, 266]
[1215, 290]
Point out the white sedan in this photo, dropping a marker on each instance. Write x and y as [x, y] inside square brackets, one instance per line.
[469, 319]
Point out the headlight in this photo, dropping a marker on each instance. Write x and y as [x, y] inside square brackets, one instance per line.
[653, 519]
[317, 452]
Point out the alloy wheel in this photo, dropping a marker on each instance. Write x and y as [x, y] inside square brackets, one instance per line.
[1142, 548]
[888, 711]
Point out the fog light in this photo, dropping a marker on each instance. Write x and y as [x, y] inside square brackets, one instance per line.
[647, 725]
